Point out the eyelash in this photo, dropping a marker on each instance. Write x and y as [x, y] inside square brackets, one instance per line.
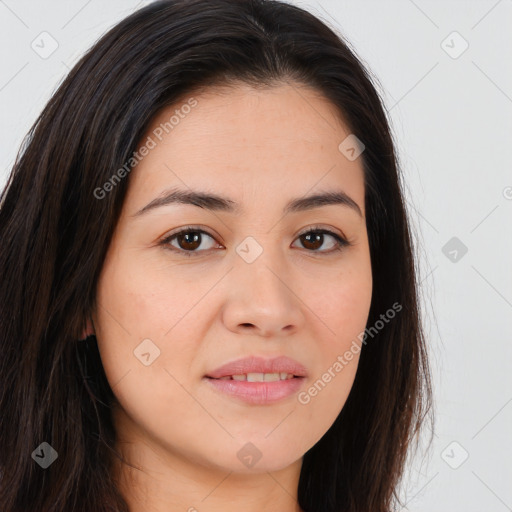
[341, 242]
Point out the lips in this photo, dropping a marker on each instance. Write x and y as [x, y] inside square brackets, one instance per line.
[258, 381]
[259, 365]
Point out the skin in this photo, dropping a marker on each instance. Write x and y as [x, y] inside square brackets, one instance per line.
[261, 148]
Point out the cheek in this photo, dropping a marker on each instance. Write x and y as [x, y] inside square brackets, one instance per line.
[140, 312]
[135, 299]
[135, 313]
[342, 302]
[342, 306]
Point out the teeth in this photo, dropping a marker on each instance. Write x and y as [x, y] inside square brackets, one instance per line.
[261, 377]
[255, 377]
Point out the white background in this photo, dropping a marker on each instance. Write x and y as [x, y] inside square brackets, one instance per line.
[452, 120]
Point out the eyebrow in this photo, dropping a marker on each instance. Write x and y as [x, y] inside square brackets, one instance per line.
[214, 202]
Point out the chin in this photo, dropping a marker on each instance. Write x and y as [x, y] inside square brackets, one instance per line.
[259, 457]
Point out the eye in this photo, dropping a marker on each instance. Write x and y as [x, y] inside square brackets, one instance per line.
[189, 240]
[315, 238]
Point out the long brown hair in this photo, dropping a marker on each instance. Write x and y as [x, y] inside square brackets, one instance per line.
[54, 236]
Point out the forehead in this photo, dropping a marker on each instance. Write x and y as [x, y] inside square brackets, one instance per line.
[282, 140]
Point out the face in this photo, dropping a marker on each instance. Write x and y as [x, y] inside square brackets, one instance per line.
[247, 281]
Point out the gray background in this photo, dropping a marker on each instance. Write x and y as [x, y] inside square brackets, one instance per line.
[451, 116]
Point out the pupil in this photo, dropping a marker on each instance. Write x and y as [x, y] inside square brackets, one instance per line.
[191, 244]
[315, 243]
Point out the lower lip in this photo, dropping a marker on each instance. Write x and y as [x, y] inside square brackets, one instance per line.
[259, 393]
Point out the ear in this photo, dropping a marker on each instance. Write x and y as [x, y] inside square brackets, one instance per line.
[88, 331]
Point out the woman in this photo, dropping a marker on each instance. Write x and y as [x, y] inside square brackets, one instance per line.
[209, 296]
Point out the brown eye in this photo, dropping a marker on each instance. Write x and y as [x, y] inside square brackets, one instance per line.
[188, 241]
[314, 239]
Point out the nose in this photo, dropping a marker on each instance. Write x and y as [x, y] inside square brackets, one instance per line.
[261, 298]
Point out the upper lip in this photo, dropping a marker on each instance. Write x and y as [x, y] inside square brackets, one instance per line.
[255, 364]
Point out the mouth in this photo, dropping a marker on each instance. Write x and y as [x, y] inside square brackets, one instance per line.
[258, 377]
[259, 369]
[257, 388]
[258, 380]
